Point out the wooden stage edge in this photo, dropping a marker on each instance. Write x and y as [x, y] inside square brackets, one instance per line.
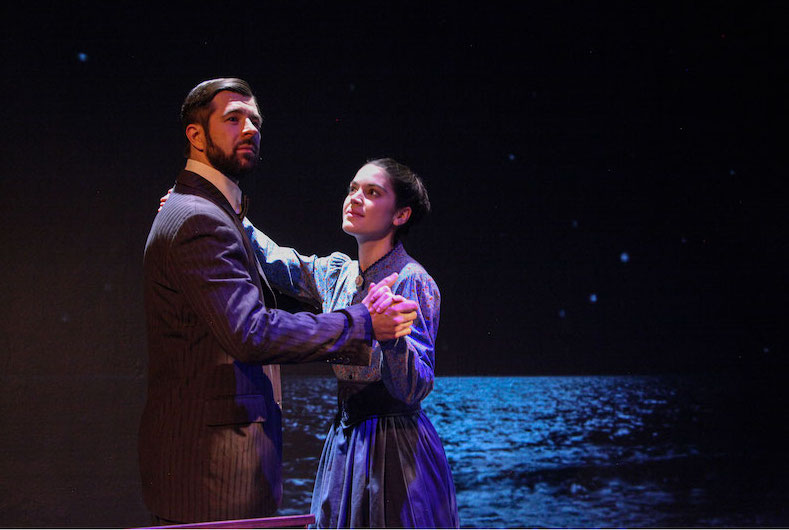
[286, 521]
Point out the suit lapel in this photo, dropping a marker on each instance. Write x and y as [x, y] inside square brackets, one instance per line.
[199, 186]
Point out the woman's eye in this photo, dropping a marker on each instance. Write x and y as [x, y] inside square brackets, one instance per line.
[373, 193]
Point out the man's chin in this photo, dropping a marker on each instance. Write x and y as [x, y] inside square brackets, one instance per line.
[244, 168]
[248, 162]
[236, 166]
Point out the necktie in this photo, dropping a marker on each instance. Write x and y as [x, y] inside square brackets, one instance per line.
[244, 207]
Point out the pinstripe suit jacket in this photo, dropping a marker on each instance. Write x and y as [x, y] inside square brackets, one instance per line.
[210, 441]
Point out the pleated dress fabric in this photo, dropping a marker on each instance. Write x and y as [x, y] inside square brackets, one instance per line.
[383, 463]
[386, 471]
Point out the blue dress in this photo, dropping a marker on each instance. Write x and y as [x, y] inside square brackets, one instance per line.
[383, 464]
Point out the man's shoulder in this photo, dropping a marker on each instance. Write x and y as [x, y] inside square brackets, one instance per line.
[185, 215]
[183, 207]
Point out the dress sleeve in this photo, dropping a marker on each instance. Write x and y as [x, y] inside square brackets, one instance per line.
[408, 363]
[310, 279]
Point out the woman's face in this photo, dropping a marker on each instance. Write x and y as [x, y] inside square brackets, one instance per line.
[369, 210]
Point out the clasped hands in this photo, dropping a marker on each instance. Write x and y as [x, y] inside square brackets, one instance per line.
[392, 314]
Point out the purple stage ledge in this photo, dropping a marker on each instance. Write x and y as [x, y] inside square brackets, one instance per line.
[286, 521]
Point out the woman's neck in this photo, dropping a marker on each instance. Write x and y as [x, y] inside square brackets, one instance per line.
[372, 250]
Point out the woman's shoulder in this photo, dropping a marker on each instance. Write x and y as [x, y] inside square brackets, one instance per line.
[413, 276]
[335, 267]
[415, 271]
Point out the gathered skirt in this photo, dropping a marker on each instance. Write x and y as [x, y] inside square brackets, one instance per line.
[385, 471]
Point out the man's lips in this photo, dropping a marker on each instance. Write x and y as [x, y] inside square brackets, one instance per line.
[249, 148]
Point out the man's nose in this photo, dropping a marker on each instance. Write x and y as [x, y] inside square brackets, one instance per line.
[249, 128]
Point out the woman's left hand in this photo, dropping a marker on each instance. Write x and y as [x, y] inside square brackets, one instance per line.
[385, 300]
[164, 199]
[377, 290]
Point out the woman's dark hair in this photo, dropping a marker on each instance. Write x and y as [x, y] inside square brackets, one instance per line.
[409, 191]
[197, 106]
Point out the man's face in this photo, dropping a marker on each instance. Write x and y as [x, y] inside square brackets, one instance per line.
[233, 134]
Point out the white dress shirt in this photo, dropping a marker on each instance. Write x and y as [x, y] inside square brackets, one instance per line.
[229, 189]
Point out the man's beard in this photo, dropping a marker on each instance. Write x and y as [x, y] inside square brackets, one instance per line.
[231, 165]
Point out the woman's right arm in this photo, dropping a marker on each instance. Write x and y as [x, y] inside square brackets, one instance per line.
[306, 278]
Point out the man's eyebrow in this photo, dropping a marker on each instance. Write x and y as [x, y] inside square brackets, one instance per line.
[238, 110]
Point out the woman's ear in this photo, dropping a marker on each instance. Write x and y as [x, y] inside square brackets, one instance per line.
[196, 136]
[402, 216]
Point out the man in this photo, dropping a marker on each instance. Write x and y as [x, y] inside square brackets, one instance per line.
[210, 437]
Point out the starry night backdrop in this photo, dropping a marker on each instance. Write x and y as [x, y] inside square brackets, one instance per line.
[607, 187]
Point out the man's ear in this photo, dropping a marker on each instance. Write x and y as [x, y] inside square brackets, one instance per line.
[196, 136]
[402, 216]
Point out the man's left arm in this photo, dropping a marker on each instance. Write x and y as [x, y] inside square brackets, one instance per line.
[209, 259]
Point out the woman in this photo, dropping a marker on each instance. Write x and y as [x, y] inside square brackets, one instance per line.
[383, 464]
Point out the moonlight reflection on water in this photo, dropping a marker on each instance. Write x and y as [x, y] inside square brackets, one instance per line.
[586, 451]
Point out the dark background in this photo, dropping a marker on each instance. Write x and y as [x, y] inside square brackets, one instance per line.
[553, 137]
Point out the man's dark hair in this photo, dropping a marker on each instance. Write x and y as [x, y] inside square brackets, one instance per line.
[409, 191]
[197, 106]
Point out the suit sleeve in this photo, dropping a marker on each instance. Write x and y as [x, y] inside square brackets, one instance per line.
[408, 363]
[208, 258]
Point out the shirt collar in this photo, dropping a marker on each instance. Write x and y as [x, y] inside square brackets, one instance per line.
[229, 189]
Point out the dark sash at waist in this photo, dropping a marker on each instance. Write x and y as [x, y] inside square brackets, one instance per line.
[359, 401]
